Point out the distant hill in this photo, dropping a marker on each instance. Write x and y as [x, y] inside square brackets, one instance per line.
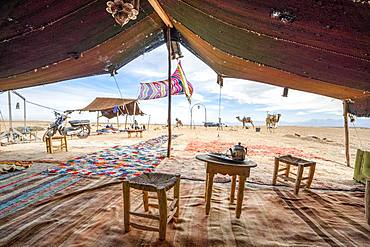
[360, 122]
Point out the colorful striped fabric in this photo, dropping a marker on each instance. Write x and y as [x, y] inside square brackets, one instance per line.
[270, 217]
[118, 161]
[159, 89]
[21, 189]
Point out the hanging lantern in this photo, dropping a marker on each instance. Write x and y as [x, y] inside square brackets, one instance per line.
[17, 106]
[123, 12]
[285, 92]
[220, 80]
[176, 52]
[175, 44]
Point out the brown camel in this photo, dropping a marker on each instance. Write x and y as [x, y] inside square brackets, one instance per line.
[272, 120]
[245, 120]
[178, 123]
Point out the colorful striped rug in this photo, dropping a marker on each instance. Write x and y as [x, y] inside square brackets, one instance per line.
[118, 161]
[21, 189]
[93, 217]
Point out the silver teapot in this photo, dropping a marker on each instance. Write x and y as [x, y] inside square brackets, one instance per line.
[238, 152]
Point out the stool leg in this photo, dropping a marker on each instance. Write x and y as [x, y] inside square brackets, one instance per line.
[205, 190]
[50, 145]
[209, 192]
[126, 205]
[310, 176]
[232, 191]
[287, 170]
[299, 178]
[276, 169]
[239, 201]
[146, 201]
[162, 202]
[176, 195]
[65, 143]
[47, 145]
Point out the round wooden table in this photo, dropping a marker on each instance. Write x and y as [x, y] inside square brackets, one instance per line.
[214, 166]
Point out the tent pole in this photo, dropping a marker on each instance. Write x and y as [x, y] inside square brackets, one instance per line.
[97, 121]
[346, 130]
[169, 91]
[10, 138]
[126, 121]
[134, 111]
[24, 115]
[117, 120]
[148, 122]
[191, 118]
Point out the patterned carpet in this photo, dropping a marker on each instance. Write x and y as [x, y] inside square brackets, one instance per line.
[90, 214]
[118, 161]
[20, 189]
[253, 150]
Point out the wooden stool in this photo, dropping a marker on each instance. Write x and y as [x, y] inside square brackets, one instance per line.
[153, 182]
[137, 132]
[49, 143]
[301, 164]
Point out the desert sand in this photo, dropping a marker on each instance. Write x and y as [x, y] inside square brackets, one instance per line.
[323, 145]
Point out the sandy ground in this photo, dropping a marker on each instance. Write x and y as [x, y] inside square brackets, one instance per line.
[325, 145]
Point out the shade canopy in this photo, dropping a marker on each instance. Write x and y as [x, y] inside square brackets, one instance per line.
[110, 107]
[314, 46]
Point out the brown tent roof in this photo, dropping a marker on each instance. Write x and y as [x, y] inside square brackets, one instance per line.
[106, 106]
[324, 49]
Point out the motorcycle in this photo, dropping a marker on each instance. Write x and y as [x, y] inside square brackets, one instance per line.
[81, 128]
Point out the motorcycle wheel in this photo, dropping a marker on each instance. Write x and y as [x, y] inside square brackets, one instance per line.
[48, 133]
[84, 133]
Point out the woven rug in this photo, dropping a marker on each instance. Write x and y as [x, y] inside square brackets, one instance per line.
[21, 189]
[93, 217]
[253, 150]
[118, 161]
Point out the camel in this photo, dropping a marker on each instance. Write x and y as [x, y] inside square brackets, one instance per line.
[245, 120]
[178, 123]
[272, 120]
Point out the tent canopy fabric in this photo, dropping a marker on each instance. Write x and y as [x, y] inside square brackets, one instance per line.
[107, 107]
[43, 42]
[322, 47]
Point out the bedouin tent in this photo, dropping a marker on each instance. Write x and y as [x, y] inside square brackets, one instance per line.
[113, 107]
[318, 47]
[302, 45]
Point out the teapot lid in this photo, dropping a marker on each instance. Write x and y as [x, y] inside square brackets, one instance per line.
[238, 146]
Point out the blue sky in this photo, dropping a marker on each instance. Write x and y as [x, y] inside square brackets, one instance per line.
[239, 97]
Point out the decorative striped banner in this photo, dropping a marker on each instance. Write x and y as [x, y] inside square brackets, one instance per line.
[159, 89]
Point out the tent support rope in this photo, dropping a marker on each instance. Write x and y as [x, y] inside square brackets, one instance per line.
[124, 105]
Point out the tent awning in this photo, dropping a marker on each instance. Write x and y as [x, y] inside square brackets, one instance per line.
[323, 48]
[107, 107]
